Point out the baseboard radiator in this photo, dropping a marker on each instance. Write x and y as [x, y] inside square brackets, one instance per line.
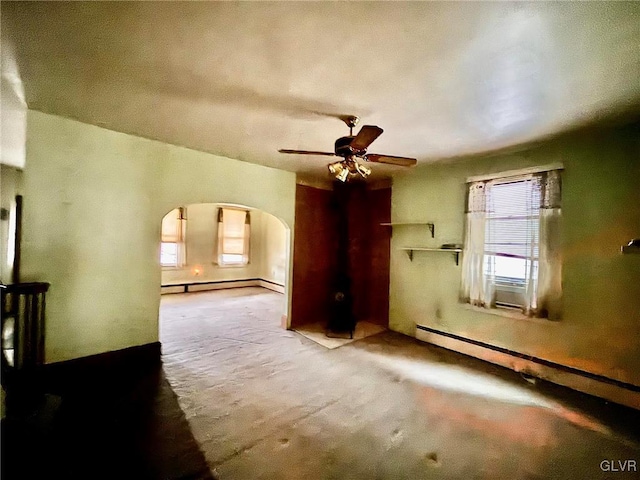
[604, 387]
[222, 284]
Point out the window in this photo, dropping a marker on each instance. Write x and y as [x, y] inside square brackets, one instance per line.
[169, 254]
[512, 255]
[234, 230]
[172, 248]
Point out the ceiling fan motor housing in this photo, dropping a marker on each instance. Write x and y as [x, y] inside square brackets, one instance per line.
[343, 148]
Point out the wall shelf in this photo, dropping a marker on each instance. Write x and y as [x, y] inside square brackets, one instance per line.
[455, 251]
[430, 225]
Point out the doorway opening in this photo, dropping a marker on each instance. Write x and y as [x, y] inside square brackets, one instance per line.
[217, 257]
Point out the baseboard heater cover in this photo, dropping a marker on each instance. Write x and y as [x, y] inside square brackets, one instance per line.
[598, 385]
[221, 284]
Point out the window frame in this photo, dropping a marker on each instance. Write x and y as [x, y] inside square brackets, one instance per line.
[511, 294]
[512, 288]
[180, 240]
[169, 265]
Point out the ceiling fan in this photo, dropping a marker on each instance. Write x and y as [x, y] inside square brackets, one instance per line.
[353, 148]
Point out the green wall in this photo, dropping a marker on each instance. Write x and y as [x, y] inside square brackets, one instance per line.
[600, 328]
[93, 204]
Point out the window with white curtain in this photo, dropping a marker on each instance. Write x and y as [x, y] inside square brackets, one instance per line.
[234, 231]
[512, 254]
[172, 247]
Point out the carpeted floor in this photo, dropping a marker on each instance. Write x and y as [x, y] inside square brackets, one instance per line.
[265, 403]
[239, 398]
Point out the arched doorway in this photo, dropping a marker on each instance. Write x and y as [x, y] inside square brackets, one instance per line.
[208, 247]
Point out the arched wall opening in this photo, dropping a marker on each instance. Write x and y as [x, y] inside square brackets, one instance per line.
[191, 258]
[95, 235]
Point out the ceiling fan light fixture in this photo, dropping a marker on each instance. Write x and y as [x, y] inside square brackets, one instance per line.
[340, 170]
[362, 170]
[335, 168]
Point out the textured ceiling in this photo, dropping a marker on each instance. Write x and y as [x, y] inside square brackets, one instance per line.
[245, 79]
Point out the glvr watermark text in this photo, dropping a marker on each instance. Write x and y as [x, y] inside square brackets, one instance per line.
[618, 466]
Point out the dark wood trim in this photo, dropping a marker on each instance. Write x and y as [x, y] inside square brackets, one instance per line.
[103, 368]
[15, 273]
[531, 358]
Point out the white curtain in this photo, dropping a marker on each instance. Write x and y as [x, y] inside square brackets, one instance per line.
[548, 298]
[247, 237]
[220, 241]
[477, 286]
[182, 245]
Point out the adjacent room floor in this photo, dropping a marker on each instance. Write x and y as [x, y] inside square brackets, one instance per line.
[266, 403]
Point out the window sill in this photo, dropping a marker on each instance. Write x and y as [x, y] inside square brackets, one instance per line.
[233, 265]
[507, 313]
[170, 267]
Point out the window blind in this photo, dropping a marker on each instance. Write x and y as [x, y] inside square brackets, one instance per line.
[513, 218]
[172, 226]
[233, 225]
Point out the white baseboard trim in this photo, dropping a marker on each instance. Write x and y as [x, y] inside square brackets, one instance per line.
[171, 289]
[203, 287]
[276, 287]
[609, 389]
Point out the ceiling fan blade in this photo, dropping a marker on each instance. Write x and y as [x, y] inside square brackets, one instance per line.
[306, 152]
[391, 160]
[365, 137]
